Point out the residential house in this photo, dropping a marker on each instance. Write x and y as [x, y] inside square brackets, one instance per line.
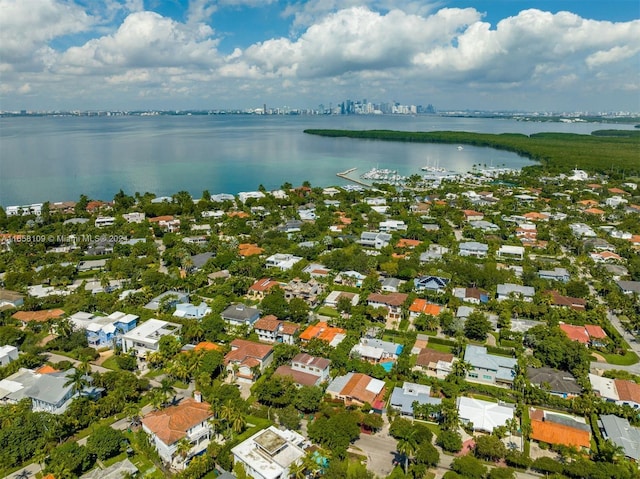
[434, 284]
[104, 331]
[511, 252]
[404, 398]
[604, 256]
[272, 330]
[167, 300]
[349, 278]
[473, 249]
[581, 230]
[422, 306]
[376, 350]
[317, 270]
[243, 196]
[489, 368]
[270, 453]
[391, 285]
[434, 363]
[247, 358]
[433, 253]
[43, 316]
[334, 297]
[145, 338]
[392, 225]
[558, 429]
[589, 334]
[619, 391]
[485, 226]
[324, 332]
[191, 311]
[556, 274]
[515, 291]
[471, 215]
[267, 328]
[629, 287]
[484, 416]
[622, 434]
[166, 223]
[370, 239]
[471, 295]
[306, 370]
[10, 299]
[558, 383]
[358, 389]
[282, 261]
[8, 353]
[104, 221]
[308, 291]
[559, 300]
[134, 217]
[392, 302]
[188, 420]
[261, 288]
[240, 315]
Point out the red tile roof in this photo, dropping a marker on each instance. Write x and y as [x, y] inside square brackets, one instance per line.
[241, 349]
[321, 331]
[555, 433]
[268, 323]
[299, 377]
[423, 306]
[264, 284]
[171, 424]
[289, 328]
[429, 356]
[38, 316]
[628, 390]
[356, 388]
[595, 331]
[575, 333]
[391, 299]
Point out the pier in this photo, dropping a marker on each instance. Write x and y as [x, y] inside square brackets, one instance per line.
[345, 176]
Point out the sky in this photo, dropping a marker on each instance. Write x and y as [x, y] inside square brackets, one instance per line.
[531, 55]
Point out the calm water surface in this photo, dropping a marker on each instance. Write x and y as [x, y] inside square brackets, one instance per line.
[60, 158]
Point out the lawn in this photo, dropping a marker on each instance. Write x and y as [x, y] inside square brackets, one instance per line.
[440, 347]
[111, 363]
[326, 311]
[628, 359]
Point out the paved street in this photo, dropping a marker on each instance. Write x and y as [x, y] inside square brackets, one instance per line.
[56, 358]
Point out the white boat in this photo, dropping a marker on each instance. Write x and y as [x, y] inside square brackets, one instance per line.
[460, 147]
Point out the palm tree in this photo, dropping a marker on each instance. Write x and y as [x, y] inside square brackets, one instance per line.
[297, 470]
[183, 447]
[78, 380]
[156, 399]
[238, 423]
[166, 388]
[407, 447]
[132, 410]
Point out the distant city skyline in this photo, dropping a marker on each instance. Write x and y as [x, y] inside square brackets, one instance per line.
[539, 55]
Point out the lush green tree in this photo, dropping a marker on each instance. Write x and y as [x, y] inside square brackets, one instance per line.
[71, 456]
[289, 417]
[469, 467]
[335, 431]
[427, 454]
[105, 442]
[308, 398]
[275, 303]
[298, 310]
[450, 441]
[490, 448]
[278, 391]
[477, 326]
[546, 465]
[502, 473]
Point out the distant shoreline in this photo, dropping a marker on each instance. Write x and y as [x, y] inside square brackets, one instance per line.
[603, 151]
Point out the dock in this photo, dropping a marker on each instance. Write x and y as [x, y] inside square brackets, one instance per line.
[345, 176]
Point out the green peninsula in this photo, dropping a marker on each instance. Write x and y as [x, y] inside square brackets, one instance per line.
[614, 152]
